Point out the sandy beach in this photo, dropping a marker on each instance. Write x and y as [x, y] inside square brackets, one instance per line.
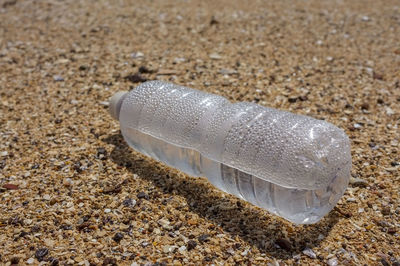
[73, 193]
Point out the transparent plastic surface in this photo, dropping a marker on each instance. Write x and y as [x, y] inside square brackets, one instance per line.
[292, 165]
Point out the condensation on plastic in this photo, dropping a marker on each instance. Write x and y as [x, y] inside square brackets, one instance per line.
[289, 150]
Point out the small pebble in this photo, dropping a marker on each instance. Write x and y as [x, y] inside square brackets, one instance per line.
[109, 261]
[135, 78]
[143, 69]
[365, 18]
[389, 111]
[386, 211]
[142, 195]
[182, 249]
[358, 182]
[58, 78]
[191, 244]
[128, 202]
[284, 244]
[333, 261]
[245, 253]
[10, 186]
[166, 248]
[14, 260]
[165, 224]
[137, 55]
[310, 253]
[203, 238]
[215, 56]
[118, 237]
[41, 253]
[46, 197]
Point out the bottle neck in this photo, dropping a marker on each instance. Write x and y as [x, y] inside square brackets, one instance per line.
[115, 104]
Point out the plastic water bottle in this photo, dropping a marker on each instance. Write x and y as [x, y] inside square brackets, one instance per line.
[292, 165]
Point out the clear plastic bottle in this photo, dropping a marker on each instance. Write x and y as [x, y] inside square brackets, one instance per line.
[294, 166]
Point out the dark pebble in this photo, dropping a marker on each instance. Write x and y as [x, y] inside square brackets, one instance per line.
[191, 244]
[384, 262]
[142, 195]
[23, 233]
[159, 264]
[207, 258]
[213, 21]
[135, 78]
[66, 227]
[394, 163]
[372, 144]
[365, 106]
[10, 186]
[77, 167]
[128, 202]
[58, 121]
[53, 261]
[14, 260]
[203, 238]
[386, 211]
[41, 253]
[303, 98]
[284, 244]
[109, 261]
[9, 3]
[144, 70]
[376, 75]
[118, 237]
[392, 230]
[15, 221]
[2, 164]
[382, 223]
[83, 225]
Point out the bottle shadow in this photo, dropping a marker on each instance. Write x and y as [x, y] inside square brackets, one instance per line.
[270, 234]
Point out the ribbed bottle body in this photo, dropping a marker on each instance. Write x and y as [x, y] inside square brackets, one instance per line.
[292, 165]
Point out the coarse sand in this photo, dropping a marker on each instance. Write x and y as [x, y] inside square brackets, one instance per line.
[73, 193]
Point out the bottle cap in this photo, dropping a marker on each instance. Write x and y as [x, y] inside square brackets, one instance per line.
[115, 104]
